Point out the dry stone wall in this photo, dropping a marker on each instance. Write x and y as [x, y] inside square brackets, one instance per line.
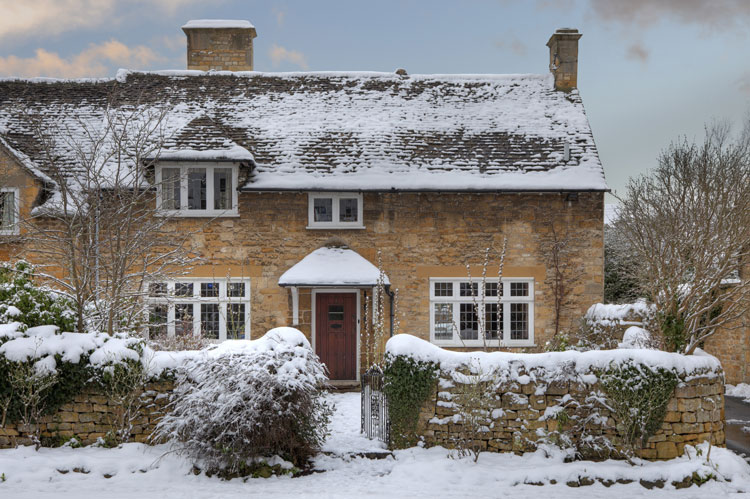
[523, 413]
[90, 416]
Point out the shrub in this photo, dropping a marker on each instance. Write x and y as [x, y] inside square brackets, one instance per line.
[232, 407]
[22, 300]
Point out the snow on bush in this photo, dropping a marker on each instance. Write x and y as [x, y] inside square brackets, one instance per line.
[636, 337]
[248, 400]
[30, 304]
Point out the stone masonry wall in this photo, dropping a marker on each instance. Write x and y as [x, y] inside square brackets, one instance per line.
[695, 414]
[90, 416]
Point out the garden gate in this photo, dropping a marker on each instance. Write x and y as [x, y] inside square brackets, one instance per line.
[375, 422]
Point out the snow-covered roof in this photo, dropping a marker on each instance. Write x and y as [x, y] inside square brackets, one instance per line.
[335, 130]
[218, 23]
[332, 267]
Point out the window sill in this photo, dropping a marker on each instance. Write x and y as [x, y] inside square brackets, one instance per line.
[479, 344]
[335, 227]
[198, 214]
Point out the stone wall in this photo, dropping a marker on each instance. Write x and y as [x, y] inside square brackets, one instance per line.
[695, 414]
[731, 344]
[90, 416]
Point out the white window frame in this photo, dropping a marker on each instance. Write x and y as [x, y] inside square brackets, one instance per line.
[505, 300]
[335, 197]
[196, 300]
[14, 230]
[208, 212]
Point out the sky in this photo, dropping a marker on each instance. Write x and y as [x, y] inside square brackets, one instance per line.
[650, 71]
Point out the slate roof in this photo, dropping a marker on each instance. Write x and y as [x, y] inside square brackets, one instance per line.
[333, 131]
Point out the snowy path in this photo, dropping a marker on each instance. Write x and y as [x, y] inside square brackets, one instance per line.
[146, 472]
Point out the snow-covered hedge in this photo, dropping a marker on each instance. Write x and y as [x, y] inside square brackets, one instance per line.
[233, 405]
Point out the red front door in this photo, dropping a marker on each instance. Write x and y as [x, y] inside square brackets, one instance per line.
[336, 333]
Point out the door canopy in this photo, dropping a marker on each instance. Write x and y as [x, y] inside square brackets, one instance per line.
[332, 267]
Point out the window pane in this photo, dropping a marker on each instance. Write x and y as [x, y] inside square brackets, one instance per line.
[210, 320]
[323, 209]
[157, 289]
[196, 188]
[170, 188]
[468, 325]
[469, 289]
[236, 321]
[443, 289]
[491, 289]
[348, 210]
[493, 320]
[209, 289]
[157, 321]
[519, 289]
[222, 188]
[443, 321]
[236, 290]
[183, 319]
[7, 210]
[519, 321]
[183, 289]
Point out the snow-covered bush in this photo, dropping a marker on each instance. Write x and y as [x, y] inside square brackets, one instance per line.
[31, 304]
[256, 399]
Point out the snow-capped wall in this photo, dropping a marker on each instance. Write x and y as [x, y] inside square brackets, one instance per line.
[525, 395]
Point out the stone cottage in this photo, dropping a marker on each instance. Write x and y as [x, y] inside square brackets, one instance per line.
[297, 181]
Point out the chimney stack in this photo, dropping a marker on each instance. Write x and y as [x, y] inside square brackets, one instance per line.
[563, 58]
[222, 45]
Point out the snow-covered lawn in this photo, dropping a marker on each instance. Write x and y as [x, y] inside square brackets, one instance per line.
[142, 472]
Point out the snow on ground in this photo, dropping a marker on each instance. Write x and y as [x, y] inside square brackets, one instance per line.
[741, 390]
[135, 470]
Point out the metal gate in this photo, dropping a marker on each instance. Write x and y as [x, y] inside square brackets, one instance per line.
[375, 422]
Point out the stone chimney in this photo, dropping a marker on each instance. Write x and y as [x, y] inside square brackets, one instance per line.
[223, 45]
[563, 58]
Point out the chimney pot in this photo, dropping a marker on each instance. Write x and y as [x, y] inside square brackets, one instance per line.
[563, 58]
[219, 44]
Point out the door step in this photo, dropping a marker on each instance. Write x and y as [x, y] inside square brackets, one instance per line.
[345, 386]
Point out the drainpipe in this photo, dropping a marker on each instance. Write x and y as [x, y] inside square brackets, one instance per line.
[391, 295]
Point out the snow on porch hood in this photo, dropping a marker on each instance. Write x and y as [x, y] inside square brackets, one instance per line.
[332, 266]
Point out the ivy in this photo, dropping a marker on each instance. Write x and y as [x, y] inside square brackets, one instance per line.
[408, 383]
[638, 396]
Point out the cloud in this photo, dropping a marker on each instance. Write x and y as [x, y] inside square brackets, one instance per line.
[710, 15]
[513, 44]
[280, 16]
[280, 54]
[637, 52]
[93, 61]
[27, 18]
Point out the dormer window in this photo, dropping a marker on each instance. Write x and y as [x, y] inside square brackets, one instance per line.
[339, 210]
[197, 190]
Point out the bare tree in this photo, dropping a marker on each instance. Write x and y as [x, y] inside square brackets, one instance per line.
[688, 225]
[100, 234]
